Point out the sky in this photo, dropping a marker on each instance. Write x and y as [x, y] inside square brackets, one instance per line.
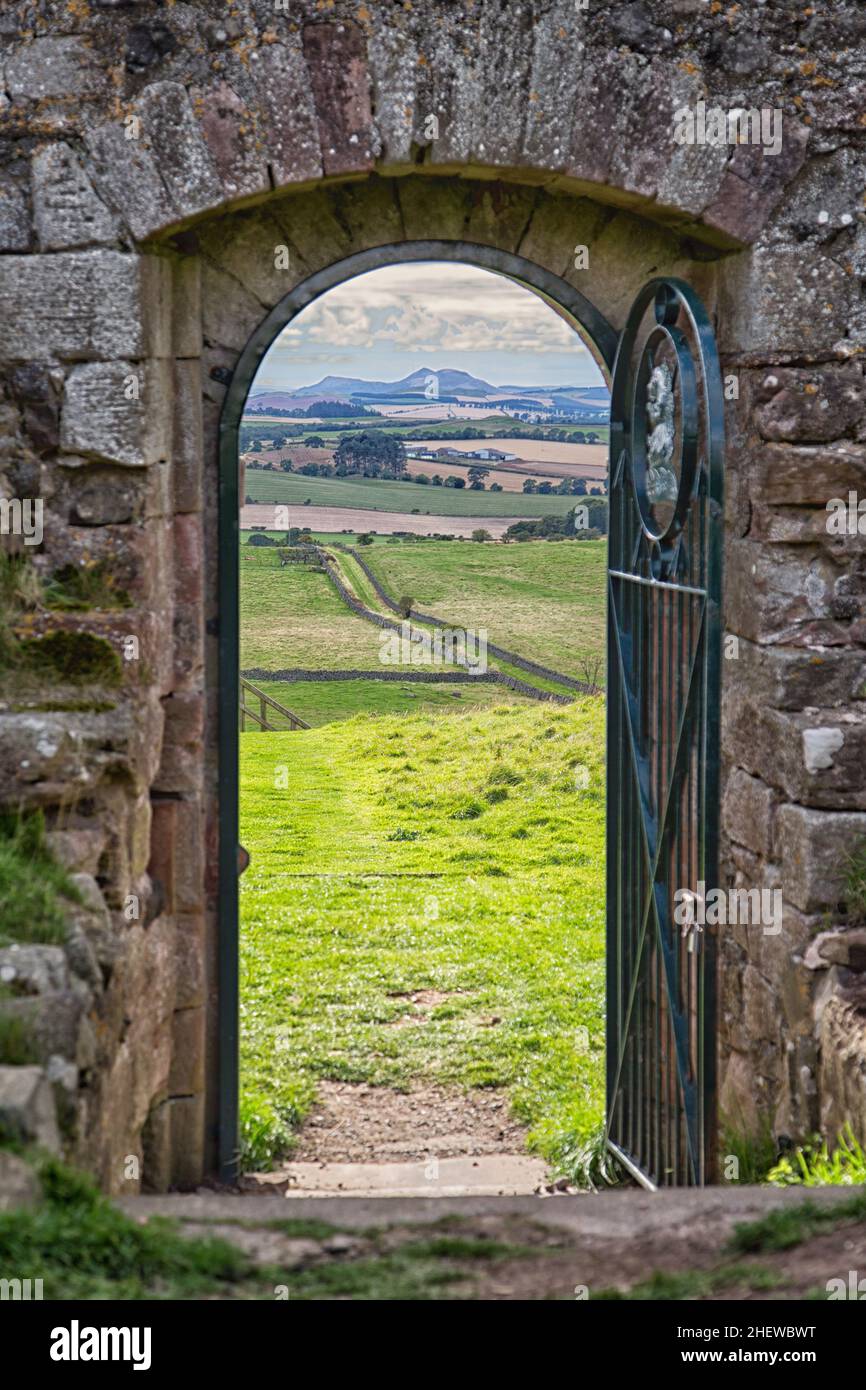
[387, 323]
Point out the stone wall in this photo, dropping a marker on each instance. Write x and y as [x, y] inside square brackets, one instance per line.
[152, 157]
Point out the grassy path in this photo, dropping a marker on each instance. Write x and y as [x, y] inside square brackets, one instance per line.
[462, 857]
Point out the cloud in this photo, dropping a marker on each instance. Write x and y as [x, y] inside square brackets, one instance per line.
[433, 308]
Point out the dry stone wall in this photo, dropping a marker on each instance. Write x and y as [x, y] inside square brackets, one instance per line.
[152, 157]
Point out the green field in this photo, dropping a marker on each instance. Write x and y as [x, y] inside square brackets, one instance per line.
[392, 855]
[375, 494]
[294, 618]
[544, 601]
[326, 701]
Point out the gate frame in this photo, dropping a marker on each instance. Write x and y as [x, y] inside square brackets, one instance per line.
[601, 339]
[711, 402]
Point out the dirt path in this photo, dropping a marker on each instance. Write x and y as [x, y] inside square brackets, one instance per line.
[425, 1142]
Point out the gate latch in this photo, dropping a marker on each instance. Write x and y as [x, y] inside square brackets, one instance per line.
[692, 927]
[694, 931]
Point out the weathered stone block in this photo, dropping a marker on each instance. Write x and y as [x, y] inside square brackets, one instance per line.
[551, 109]
[816, 757]
[187, 1140]
[774, 593]
[230, 130]
[77, 850]
[14, 217]
[83, 306]
[646, 159]
[19, 1185]
[812, 846]
[187, 1059]
[761, 1016]
[393, 61]
[846, 947]
[842, 1074]
[800, 476]
[337, 65]
[54, 1023]
[67, 211]
[770, 305]
[53, 67]
[281, 96]
[156, 1149]
[186, 307]
[92, 920]
[189, 865]
[187, 441]
[162, 849]
[229, 312]
[810, 406]
[190, 960]
[118, 412]
[754, 183]
[27, 1107]
[792, 678]
[747, 812]
[33, 969]
[127, 175]
[36, 391]
[104, 497]
[183, 158]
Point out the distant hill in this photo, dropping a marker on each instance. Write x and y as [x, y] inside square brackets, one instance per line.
[450, 383]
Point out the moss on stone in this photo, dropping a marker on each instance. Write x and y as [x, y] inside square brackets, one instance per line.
[78, 657]
[74, 588]
[17, 1048]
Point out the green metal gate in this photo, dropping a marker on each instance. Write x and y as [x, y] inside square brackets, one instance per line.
[664, 650]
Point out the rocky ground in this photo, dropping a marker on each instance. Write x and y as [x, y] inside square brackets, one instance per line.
[753, 1243]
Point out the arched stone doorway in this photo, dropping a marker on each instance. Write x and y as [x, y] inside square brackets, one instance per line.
[147, 251]
[602, 340]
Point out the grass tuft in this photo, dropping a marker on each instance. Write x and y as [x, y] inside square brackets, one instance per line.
[815, 1165]
[32, 884]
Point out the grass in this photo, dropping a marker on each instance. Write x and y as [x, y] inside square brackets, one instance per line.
[323, 703]
[855, 882]
[91, 585]
[378, 494]
[293, 617]
[545, 602]
[32, 884]
[391, 855]
[690, 1284]
[84, 1248]
[789, 1226]
[815, 1165]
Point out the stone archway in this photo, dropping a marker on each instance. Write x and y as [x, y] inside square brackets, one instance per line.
[601, 338]
[525, 233]
[142, 220]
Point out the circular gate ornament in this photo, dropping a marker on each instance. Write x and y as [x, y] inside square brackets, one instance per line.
[666, 390]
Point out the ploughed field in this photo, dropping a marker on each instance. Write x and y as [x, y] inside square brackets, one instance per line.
[361, 520]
